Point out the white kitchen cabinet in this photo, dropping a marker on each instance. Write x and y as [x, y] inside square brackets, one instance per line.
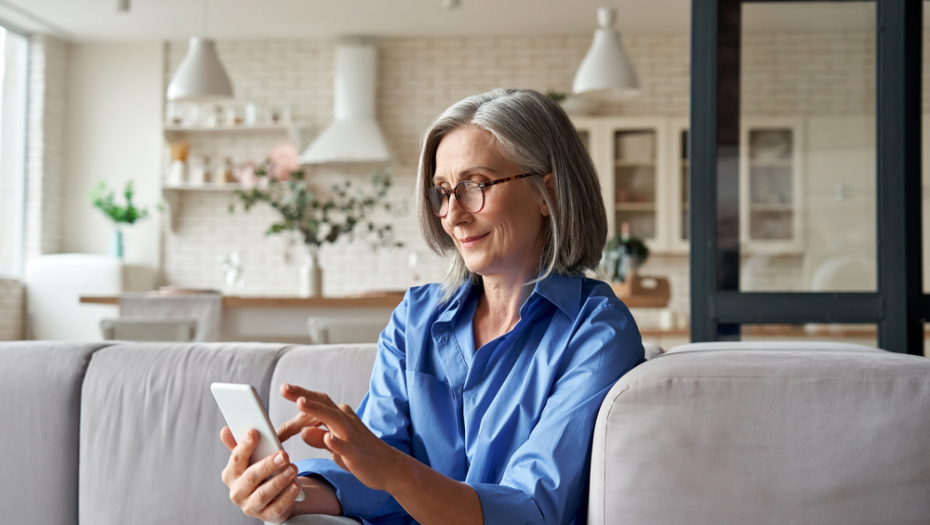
[631, 156]
[643, 168]
[771, 166]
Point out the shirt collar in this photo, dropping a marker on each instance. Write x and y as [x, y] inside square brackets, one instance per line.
[562, 290]
[456, 302]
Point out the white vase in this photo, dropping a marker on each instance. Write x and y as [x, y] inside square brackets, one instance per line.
[310, 276]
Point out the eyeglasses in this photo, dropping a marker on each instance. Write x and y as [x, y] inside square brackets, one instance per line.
[470, 194]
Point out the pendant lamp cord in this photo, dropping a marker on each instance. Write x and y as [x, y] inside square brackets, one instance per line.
[203, 30]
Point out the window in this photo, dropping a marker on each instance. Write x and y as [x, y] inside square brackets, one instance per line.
[13, 75]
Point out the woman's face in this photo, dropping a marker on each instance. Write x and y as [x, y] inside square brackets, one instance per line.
[502, 238]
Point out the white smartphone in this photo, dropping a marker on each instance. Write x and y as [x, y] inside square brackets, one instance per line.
[243, 409]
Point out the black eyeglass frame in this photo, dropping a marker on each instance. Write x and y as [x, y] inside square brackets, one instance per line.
[447, 193]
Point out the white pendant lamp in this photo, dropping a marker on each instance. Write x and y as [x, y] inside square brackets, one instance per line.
[606, 72]
[201, 76]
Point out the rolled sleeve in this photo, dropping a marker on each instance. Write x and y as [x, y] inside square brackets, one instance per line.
[356, 499]
[503, 504]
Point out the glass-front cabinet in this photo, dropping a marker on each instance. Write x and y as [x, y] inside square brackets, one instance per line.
[630, 155]
[771, 184]
[643, 168]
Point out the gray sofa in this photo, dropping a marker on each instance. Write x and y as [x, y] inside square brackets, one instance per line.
[127, 433]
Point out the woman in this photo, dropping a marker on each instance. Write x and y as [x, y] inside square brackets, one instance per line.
[485, 390]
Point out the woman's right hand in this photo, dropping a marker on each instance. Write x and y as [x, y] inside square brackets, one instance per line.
[271, 500]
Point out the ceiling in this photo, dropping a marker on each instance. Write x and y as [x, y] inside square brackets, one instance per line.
[91, 20]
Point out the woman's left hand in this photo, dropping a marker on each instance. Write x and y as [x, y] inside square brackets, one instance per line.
[353, 446]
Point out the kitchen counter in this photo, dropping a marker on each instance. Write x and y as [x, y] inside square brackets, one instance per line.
[266, 301]
[284, 319]
[291, 319]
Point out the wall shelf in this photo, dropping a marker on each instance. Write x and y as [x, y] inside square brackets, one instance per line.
[171, 193]
[207, 186]
[171, 128]
[176, 133]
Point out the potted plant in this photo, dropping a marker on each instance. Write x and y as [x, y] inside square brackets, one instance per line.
[623, 255]
[102, 198]
[317, 218]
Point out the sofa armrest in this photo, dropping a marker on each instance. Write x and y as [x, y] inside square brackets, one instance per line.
[792, 434]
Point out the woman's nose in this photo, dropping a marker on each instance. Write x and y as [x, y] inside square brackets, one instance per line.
[456, 213]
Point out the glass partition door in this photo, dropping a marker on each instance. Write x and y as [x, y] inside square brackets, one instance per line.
[804, 157]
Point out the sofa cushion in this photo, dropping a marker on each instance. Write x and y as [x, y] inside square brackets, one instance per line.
[150, 451]
[341, 371]
[40, 407]
[651, 350]
[786, 435]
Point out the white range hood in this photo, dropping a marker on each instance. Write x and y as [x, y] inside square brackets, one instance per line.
[354, 136]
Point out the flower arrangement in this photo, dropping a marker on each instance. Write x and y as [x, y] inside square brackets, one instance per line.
[102, 198]
[316, 217]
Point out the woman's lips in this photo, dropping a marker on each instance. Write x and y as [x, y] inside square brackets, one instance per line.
[468, 242]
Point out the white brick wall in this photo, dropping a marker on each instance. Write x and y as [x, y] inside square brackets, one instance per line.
[418, 78]
[808, 73]
[789, 73]
[48, 73]
[12, 298]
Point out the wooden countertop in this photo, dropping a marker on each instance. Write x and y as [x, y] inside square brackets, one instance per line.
[390, 300]
[372, 300]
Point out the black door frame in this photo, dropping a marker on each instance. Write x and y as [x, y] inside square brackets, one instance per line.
[899, 307]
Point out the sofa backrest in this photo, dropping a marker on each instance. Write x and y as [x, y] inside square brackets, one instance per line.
[341, 371]
[756, 433]
[40, 407]
[150, 451]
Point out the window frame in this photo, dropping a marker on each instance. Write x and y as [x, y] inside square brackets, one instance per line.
[20, 260]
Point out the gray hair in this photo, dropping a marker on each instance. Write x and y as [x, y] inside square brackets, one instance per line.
[533, 132]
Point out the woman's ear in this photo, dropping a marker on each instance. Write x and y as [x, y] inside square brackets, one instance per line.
[550, 188]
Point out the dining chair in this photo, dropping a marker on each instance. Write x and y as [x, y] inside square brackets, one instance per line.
[345, 330]
[144, 329]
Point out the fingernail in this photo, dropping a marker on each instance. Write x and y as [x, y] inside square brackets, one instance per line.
[287, 386]
[279, 459]
[292, 471]
[292, 488]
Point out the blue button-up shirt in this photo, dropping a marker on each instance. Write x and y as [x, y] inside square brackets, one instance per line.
[514, 419]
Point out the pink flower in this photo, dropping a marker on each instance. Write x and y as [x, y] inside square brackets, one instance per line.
[245, 174]
[282, 161]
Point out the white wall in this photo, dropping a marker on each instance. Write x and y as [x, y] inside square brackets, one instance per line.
[114, 110]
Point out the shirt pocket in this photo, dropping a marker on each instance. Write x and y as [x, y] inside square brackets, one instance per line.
[436, 421]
